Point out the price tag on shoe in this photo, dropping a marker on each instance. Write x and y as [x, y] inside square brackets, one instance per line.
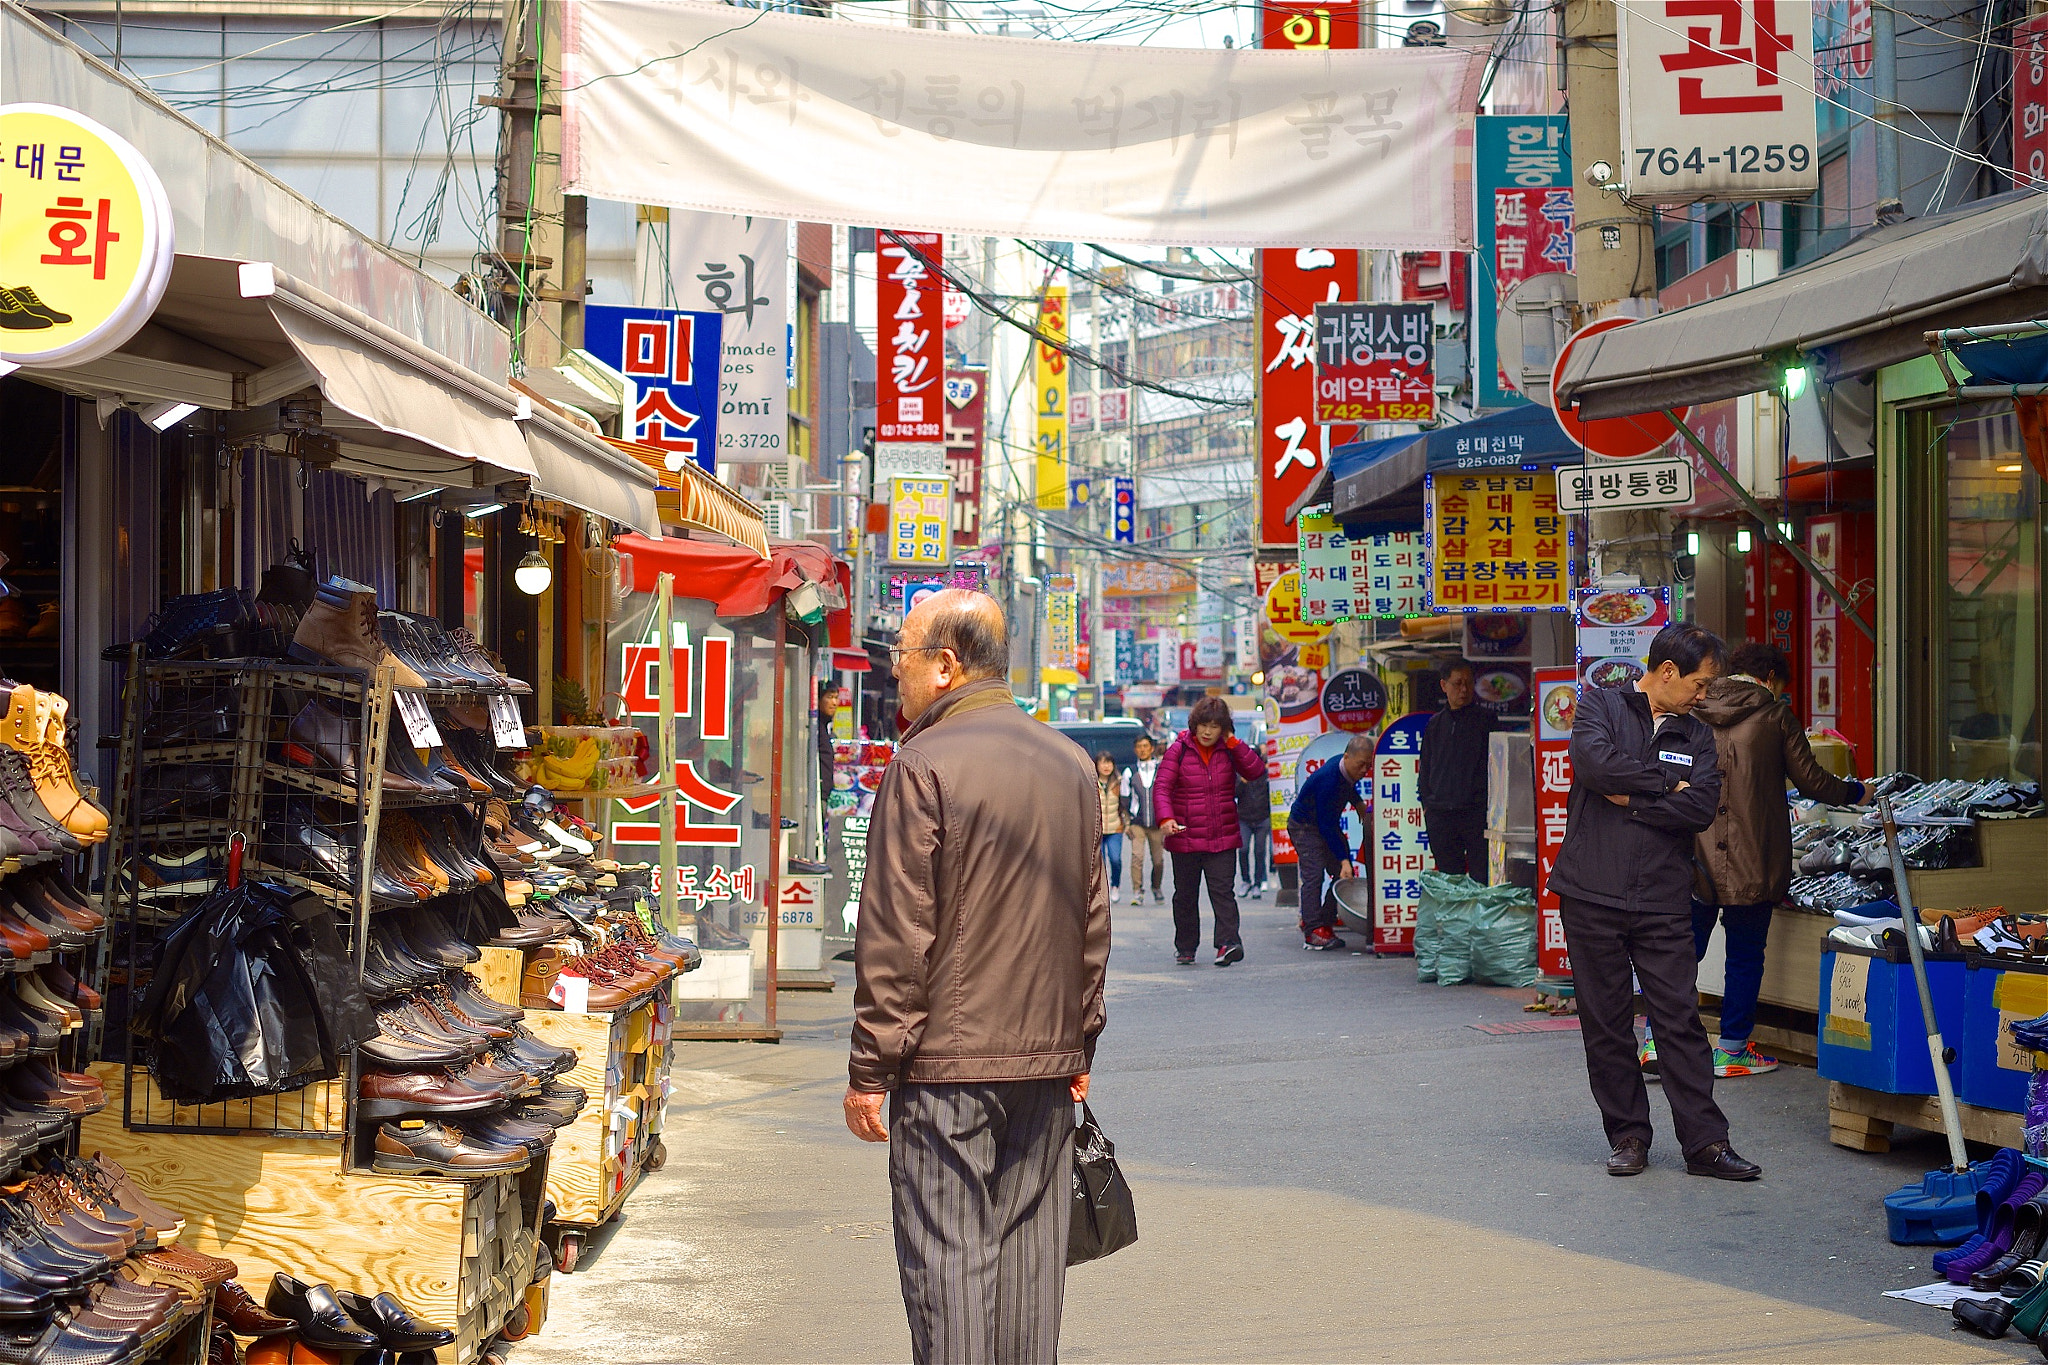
[419, 725]
[506, 728]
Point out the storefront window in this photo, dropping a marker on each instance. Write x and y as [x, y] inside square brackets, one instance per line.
[1984, 676]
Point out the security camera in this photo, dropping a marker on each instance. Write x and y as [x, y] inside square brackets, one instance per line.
[1599, 173]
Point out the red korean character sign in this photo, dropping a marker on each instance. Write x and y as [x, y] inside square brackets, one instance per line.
[2030, 102]
[966, 419]
[85, 238]
[1557, 699]
[910, 371]
[702, 674]
[1375, 362]
[1717, 100]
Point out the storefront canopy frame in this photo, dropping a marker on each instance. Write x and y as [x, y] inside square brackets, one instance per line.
[1849, 313]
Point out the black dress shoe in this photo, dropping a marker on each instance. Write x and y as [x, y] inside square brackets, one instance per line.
[320, 1318]
[396, 1329]
[1631, 1156]
[1985, 1317]
[1720, 1161]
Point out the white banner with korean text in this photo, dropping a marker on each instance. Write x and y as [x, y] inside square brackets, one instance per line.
[728, 110]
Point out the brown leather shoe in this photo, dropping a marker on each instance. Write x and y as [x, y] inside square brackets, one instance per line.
[213, 1271]
[428, 1148]
[1631, 1156]
[133, 1197]
[340, 628]
[392, 1094]
[232, 1305]
[1719, 1160]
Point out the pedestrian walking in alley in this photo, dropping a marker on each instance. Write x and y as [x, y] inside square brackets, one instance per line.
[828, 707]
[1745, 856]
[1453, 777]
[1109, 795]
[1645, 780]
[1322, 853]
[1255, 826]
[978, 975]
[1196, 798]
[1141, 780]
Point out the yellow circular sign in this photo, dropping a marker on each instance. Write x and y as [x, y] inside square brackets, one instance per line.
[1283, 611]
[85, 237]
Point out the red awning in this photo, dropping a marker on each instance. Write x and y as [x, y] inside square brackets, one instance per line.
[852, 661]
[733, 577]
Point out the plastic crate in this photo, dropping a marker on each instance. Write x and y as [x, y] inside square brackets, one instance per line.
[1871, 1032]
[1995, 1070]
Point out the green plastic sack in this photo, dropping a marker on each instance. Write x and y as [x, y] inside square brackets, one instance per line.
[1504, 938]
[1443, 918]
[1482, 934]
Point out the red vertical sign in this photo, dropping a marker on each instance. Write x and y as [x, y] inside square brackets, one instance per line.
[965, 418]
[1292, 283]
[1557, 696]
[910, 325]
[2030, 102]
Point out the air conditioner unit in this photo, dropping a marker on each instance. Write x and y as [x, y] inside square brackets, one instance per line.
[781, 519]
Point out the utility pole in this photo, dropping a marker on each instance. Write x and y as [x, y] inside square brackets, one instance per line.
[531, 213]
[1614, 254]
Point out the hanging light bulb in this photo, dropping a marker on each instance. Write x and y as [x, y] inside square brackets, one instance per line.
[533, 574]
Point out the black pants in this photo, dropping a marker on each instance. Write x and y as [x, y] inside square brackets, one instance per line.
[1458, 839]
[1316, 866]
[1190, 870]
[1604, 943]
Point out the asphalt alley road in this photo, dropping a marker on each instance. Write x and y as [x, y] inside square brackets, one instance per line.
[1330, 1163]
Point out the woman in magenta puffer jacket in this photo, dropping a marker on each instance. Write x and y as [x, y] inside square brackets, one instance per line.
[1196, 799]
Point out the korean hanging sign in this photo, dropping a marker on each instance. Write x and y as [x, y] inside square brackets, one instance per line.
[1375, 362]
[670, 360]
[702, 675]
[1497, 543]
[1398, 845]
[1291, 447]
[1396, 575]
[910, 368]
[1522, 166]
[1717, 100]
[1049, 372]
[738, 268]
[1061, 611]
[1332, 564]
[920, 521]
[86, 239]
[1557, 701]
[966, 416]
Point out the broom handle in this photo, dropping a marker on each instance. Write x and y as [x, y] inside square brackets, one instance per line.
[1951, 1118]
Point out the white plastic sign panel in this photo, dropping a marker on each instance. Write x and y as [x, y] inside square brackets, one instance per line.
[1717, 100]
[1607, 484]
[506, 729]
[419, 726]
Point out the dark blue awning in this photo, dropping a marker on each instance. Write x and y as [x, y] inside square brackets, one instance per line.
[1377, 485]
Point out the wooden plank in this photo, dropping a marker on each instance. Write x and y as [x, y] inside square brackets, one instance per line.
[1994, 1126]
[500, 970]
[575, 1174]
[787, 980]
[1792, 965]
[2010, 875]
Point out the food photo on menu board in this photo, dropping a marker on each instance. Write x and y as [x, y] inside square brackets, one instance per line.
[1615, 628]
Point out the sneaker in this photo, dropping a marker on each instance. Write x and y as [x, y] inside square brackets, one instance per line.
[1321, 939]
[1748, 1062]
[1116, 895]
[1646, 1056]
[1184, 959]
[1229, 953]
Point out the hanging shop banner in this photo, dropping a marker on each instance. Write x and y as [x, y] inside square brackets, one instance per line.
[1400, 847]
[1049, 382]
[738, 268]
[687, 104]
[1292, 447]
[1332, 569]
[966, 418]
[1717, 100]
[1497, 543]
[1144, 578]
[910, 367]
[920, 521]
[1614, 632]
[1354, 699]
[86, 241]
[1523, 168]
[1375, 362]
[1612, 484]
[1294, 721]
[702, 675]
[1557, 699]
[2030, 102]
[1396, 581]
[1168, 646]
[1061, 609]
[1123, 528]
[908, 587]
[1283, 612]
[670, 360]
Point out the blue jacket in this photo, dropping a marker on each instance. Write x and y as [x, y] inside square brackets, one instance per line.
[1320, 802]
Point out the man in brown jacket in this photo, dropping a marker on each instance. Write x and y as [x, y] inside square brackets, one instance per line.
[1745, 856]
[978, 966]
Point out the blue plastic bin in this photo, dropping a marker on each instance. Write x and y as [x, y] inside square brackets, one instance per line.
[1880, 1042]
[1994, 1071]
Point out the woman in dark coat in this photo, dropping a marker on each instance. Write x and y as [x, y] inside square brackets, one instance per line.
[1196, 799]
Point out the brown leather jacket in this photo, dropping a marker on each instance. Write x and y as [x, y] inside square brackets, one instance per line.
[1745, 856]
[984, 913]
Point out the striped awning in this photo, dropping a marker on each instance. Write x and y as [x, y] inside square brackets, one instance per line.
[695, 500]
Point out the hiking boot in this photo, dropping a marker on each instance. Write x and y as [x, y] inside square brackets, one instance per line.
[1747, 1062]
[340, 629]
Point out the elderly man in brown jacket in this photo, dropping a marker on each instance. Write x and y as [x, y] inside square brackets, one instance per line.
[1745, 856]
[978, 966]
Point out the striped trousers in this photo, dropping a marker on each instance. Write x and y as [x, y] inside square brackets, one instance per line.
[980, 1177]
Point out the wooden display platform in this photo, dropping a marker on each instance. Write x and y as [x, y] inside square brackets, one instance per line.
[458, 1253]
[805, 981]
[2014, 872]
[622, 1064]
[1862, 1120]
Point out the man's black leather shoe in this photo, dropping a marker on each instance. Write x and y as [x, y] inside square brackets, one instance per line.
[396, 1328]
[1985, 1317]
[1631, 1156]
[320, 1318]
[1720, 1161]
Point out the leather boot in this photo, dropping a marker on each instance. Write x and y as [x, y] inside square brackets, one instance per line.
[340, 628]
[25, 730]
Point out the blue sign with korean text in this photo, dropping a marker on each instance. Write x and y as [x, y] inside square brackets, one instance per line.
[670, 359]
[1523, 201]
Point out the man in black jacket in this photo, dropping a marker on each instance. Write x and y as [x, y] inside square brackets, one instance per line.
[1452, 777]
[1645, 780]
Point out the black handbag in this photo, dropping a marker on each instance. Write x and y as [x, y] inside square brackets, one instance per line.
[1105, 1218]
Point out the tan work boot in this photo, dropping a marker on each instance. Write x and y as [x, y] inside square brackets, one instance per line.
[30, 718]
[340, 628]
